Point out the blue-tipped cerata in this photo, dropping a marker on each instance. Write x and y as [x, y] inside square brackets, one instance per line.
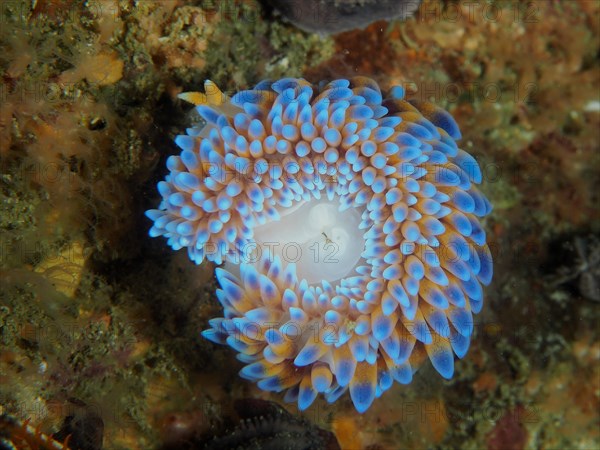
[393, 167]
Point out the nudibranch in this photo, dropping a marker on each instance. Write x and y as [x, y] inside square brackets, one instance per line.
[348, 222]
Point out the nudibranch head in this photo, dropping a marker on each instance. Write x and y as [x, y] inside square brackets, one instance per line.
[348, 221]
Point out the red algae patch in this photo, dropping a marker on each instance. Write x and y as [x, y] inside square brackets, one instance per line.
[509, 433]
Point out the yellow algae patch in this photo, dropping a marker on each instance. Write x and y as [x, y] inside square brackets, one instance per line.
[103, 69]
[347, 432]
[64, 270]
